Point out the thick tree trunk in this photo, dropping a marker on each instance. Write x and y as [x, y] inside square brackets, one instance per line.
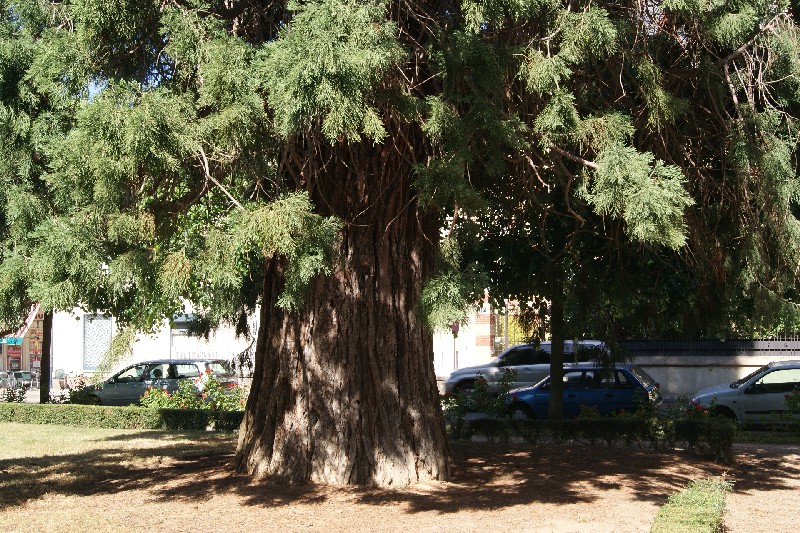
[344, 390]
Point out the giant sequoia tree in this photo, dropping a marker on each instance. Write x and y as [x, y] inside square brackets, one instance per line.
[304, 156]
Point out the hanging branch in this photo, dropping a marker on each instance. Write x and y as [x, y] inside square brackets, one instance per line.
[217, 183]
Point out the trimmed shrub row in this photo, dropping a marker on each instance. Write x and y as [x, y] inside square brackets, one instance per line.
[120, 417]
[714, 434]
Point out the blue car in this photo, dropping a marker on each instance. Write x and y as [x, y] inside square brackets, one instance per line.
[608, 390]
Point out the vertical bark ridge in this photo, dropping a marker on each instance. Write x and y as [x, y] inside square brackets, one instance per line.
[343, 386]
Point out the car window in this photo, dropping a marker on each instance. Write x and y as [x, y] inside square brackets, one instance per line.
[600, 379]
[518, 356]
[643, 377]
[584, 354]
[158, 370]
[748, 377]
[622, 380]
[541, 357]
[186, 370]
[131, 375]
[784, 380]
[573, 380]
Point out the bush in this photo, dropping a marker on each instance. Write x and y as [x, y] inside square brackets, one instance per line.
[77, 391]
[120, 417]
[212, 396]
[713, 434]
[12, 395]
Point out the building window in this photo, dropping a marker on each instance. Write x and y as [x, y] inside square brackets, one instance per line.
[97, 332]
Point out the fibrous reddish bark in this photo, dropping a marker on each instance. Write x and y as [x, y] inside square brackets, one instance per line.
[344, 390]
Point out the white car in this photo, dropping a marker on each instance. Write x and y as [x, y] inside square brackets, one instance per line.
[530, 362]
[758, 398]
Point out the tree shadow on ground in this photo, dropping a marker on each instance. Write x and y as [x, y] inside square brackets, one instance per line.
[485, 476]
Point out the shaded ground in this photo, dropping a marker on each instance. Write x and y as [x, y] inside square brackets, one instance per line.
[126, 486]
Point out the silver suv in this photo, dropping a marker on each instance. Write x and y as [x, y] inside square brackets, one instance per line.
[758, 398]
[531, 363]
[128, 385]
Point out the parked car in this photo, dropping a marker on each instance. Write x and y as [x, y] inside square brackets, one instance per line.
[530, 361]
[23, 379]
[757, 398]
[621, 387]
[5, 380]
[128, 385]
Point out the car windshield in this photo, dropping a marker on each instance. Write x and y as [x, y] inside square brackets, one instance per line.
[643, 377]
[22, 375]
[739, 382]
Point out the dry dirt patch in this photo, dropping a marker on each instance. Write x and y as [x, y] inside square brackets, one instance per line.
[189, 487]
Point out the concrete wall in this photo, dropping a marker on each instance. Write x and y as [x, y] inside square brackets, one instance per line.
[684, 375]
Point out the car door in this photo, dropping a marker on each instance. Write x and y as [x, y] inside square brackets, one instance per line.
[573, 385]
[125, 387]
[519, 359]
[608, 391]
[764, 401]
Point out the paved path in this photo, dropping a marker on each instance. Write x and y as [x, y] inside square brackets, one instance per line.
[766, 491]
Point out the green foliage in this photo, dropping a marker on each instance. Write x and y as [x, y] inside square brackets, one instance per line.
[120, 417]
[152, 154]
[698, 508]
[793, 402]
[81, 393]
[211, 395]
[589, 34]
[327, 64]
[647, 194]
[648, 425]
[543, 75]
[559, 116]
[287, 228]
[443, 301]
[663, 107]
[456, 406]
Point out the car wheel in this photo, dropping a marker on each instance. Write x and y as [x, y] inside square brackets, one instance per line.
[725, 412]
[521, 411]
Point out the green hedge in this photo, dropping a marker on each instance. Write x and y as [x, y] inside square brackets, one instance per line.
[120, 417]
[714, 434]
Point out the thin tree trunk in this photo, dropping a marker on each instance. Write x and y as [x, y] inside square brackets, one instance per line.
[556, 406]
[344, 390]
[46, 371]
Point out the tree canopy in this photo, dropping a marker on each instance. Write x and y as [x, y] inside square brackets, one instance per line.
[633, 160]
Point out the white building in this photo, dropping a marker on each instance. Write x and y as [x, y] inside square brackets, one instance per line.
[81, 340]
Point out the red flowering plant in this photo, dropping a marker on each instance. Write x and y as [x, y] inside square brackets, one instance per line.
[204, 392]
[695, 410]
[220, 398]
[156, 398]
